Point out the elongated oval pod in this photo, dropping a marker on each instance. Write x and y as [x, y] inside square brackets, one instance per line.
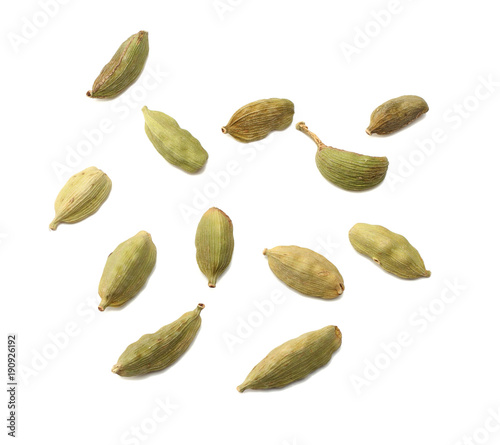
[127, 269]
[81, 196]
[176, 145]
[256, 120]
[391, 251]
[294, 359]
[214, 244]
[396, 114]
[154, 352]
[305, 271]
[123, 69]
[346, 169]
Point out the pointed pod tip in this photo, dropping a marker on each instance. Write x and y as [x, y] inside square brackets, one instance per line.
[240, 388]
[427, 273]
[212, 285]
[53, 225]
[101, 308]
[89, 93]
[115, 369]
[224, 130]
[368, 131]
[201, 306]
[338, 333]
[264, 252]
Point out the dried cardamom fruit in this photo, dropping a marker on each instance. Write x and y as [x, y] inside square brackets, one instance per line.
[176, 145]
[391, 251]
[305, 271]
[123, 69]
[81, 196]
[294, 359]
[154, 352]
[127, 269]
[348, 170]
[214, 244]
[256, 120]
[396, 113]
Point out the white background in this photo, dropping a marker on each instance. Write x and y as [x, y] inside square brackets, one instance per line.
[435, 389]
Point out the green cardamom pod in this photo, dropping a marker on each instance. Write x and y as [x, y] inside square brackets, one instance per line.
[345, 169]
[391, 251]
[123, 69]
[214, 244]
[305, 271]
[176, 145]
[127, 269]
[256, 120]
[154, 352]
[396, 113]
[81, 196]
[294, 359]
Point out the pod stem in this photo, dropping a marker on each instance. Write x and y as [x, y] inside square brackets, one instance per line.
[241, 388]
[301, 126]
[102, 305]
[53, 225]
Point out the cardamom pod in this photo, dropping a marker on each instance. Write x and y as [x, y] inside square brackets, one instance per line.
[214, 244]
[305, 271]
[348, 170]
[294, 359]
[396, 113]
[123, 69]
[81, 196]
[154, 352]
[256, 120]
[391, 251]
[176, 145]
[127, 269]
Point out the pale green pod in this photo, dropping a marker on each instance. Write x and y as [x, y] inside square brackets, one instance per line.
[346, 169]
[396, 114]
[123, 69]
[305, 271]
[214, 244]
[391, 251]
[154, 352]
[81, 196]
[127, 269]
[176, 145]
[294, 359]
[254, 121]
